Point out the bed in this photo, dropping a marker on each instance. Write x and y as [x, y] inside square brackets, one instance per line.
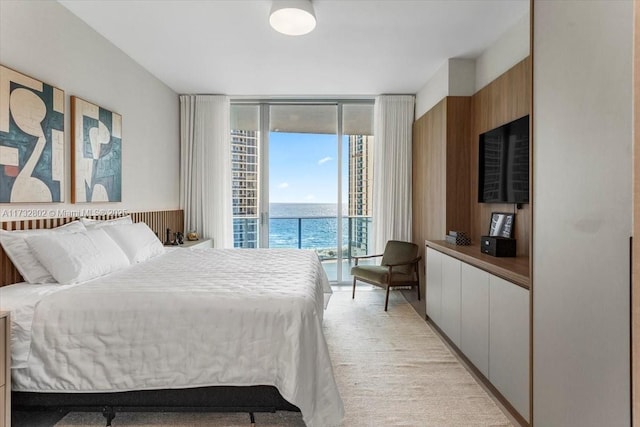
[202, 329]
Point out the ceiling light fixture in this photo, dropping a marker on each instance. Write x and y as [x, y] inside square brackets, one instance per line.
[292, 17]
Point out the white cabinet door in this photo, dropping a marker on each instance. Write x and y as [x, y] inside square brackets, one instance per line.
[434, 285]
[474, 317]
[450, 314]
[509, 342]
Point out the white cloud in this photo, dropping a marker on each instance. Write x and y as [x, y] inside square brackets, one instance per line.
[283, 185]
[324, 160]
[310, 197]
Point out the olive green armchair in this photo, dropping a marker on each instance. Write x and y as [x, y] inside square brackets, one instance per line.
[399, 267]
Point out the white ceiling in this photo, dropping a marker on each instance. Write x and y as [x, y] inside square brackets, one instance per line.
[359, 47]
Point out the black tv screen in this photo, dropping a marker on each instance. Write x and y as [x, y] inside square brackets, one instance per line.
[503, 169]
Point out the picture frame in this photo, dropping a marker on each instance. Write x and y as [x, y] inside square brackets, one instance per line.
[31, 140]
[502, 224]
[96, 153]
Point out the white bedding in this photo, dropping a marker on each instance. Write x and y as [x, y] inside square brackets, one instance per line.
[189, 318]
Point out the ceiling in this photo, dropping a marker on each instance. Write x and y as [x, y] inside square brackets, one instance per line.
[359, 47]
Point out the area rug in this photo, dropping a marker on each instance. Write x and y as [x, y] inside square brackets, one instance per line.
[391, 369]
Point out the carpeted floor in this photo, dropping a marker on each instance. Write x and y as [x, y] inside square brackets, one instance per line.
[391, 369]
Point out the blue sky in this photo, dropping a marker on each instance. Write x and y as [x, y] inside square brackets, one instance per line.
[303, 168]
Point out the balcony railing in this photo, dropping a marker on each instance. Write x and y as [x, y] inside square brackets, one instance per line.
[312, 232]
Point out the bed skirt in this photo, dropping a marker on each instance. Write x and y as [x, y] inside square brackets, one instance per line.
[250, 399]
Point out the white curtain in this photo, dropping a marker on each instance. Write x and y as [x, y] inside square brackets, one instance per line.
[205, 167]
[393, 121]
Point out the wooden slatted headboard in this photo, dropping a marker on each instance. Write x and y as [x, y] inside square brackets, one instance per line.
[158, 221]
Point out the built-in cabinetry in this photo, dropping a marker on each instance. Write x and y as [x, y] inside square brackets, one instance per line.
[480, 303]
[474, 319]
[5, 373]
[486, 318]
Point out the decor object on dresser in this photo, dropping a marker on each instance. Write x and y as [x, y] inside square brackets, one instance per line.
[192, 235]
[31, 139]
[96, 153]
[499, 242]
[502, 224]
[458, 238]
[498, 246]
[399, 267]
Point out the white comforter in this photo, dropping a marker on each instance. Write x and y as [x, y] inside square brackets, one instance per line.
[190, 318]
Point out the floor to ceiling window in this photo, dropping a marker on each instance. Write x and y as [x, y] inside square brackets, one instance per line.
[302, 178]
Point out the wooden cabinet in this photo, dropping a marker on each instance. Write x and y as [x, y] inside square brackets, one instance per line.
[509, 342]
[433, 274]
[474, 315]
[450, 314]
[5, 373]
[487, 318]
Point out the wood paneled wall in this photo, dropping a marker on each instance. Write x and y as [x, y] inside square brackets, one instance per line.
[428, 157]
[458, 158]
[440, 171]
[445, 160]
[505, 99]
[158, 221]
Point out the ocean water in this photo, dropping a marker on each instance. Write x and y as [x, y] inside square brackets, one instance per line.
[307, 225]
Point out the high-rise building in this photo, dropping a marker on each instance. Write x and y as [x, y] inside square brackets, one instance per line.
[244, 167]
[360, 192]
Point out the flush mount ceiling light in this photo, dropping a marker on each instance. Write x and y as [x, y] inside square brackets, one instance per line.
[292, 17]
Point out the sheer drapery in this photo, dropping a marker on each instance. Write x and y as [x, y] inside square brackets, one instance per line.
[205, 167]
[393, 115]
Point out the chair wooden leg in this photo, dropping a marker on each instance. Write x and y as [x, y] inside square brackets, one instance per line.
[386, 301]
[353, 294]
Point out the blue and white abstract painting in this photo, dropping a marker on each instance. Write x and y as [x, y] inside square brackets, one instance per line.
[97, 147]
[31, 139]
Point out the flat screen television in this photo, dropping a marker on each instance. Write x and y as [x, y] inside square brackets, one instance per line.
[503, 163]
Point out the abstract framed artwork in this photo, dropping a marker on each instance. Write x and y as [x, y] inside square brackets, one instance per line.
[502, 224]
[31, 139]
[96, 153]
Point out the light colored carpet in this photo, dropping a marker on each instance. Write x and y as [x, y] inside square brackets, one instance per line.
[391, 369]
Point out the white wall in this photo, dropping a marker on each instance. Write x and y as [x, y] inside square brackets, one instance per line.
[436, 88]
[582, 212]
[464, 77]
[44, 40]
[511, 48]
[454, 78]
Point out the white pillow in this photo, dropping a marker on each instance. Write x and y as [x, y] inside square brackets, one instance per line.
[78, 257]
[98, 223]
[15, 245]
[137, 241]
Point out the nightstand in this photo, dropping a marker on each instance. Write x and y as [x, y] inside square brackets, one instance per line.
[193, 244]
[5, 371]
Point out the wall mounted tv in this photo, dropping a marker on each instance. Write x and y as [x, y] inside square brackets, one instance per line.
[503, 163]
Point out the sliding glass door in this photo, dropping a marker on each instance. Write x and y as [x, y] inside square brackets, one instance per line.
[302, 179]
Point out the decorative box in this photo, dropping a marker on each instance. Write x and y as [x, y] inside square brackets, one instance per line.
[458, 238]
